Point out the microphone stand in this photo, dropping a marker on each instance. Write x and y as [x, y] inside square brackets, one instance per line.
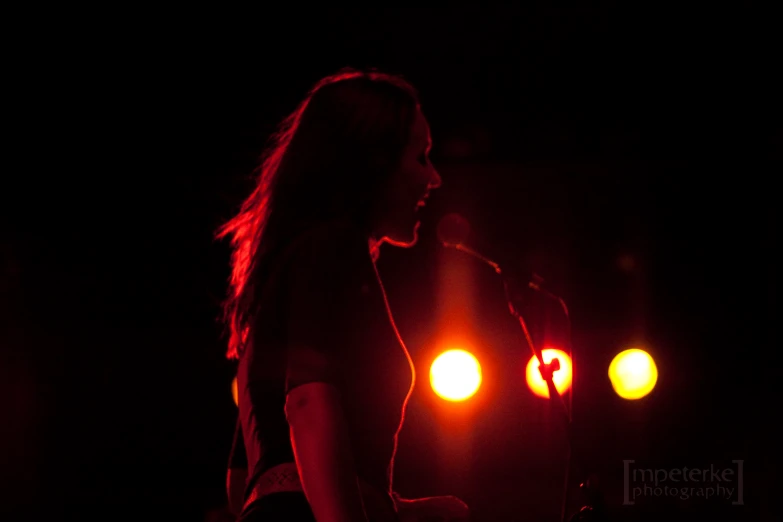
[593, 510]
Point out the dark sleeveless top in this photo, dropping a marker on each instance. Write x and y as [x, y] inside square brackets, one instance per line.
[323, 318]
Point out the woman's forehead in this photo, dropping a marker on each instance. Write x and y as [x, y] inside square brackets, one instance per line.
[420, 134]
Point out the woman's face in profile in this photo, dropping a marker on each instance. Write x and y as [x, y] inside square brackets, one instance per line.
[409, 188]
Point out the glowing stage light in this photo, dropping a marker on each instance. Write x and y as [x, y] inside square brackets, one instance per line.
[633, 374]
[562, 377]
[235, 391]
[455, 375]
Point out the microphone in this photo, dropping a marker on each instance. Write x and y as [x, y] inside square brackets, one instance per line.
[453, 231]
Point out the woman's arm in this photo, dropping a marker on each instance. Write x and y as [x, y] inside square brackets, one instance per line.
[236, 480]
[320, 441]
[444, 508]
[236, 477]
[323, 278]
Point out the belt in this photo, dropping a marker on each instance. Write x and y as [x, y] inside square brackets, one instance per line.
[284, 478]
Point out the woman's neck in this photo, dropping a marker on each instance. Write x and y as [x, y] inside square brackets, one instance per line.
[375, 248]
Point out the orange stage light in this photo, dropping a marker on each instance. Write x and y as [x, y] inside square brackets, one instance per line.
[562, 377]
[633, 374]
[455, 375]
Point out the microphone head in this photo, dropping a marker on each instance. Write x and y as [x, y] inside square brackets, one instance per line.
[453, 230]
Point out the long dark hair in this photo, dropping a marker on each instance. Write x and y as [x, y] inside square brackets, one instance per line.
[330, 159]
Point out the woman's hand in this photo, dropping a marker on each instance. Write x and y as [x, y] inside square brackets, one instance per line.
[432, 509]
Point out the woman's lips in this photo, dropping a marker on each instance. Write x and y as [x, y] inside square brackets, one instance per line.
[422, 202]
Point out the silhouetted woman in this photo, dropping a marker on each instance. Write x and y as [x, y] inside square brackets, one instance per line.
[323, 376]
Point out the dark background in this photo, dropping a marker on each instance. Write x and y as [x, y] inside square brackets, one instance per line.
[571, 138]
